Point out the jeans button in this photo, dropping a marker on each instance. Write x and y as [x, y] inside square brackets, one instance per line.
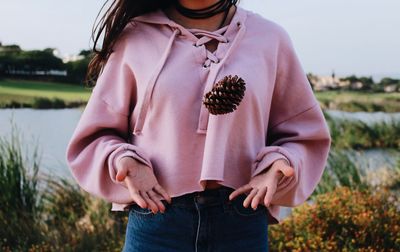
[200, 199]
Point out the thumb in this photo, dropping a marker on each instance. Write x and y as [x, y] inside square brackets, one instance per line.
[287, 170]
[121, 174]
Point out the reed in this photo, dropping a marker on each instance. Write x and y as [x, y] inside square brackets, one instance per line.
[20, 197]
[355, 134]
[341, 170]
[49, 213]
[76, 221]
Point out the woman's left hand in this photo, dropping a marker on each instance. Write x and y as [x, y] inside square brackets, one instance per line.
[263, 186]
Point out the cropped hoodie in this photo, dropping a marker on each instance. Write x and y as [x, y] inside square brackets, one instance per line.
[147, 104]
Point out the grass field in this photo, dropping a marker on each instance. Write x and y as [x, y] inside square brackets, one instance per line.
[348, 96]
[24, 92]
[354, 101]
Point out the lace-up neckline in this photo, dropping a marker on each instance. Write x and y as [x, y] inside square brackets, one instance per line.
[234, 30]
[205, 37]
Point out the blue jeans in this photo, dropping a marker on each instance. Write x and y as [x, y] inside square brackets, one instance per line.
[198, 221]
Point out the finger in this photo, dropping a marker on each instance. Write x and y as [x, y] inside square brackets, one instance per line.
[158, 188]
[268, 196]
[137, 197]
[258, 197]
[152, 205]
[134, 192]
[156, 198]
[249, 197]
[121, 174]
[239, 191]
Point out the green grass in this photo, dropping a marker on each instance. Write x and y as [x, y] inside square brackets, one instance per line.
[354, 101]
[24, 93]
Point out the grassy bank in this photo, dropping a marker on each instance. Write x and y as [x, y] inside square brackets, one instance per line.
[354, 101]
[35, 94]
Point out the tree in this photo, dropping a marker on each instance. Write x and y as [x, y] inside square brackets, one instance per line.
[13, 60]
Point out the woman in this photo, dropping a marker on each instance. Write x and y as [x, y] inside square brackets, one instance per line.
[202, 123]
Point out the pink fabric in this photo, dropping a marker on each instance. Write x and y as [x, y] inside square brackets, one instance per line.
[147, 104]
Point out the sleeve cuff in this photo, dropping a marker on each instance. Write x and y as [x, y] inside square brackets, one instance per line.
[126, 150]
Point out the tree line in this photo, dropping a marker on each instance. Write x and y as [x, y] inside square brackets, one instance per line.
[45, 65]
[41, 65]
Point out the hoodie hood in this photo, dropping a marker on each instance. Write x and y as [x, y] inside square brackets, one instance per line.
[232, 34]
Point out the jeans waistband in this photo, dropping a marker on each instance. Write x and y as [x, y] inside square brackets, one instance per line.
[207, 197]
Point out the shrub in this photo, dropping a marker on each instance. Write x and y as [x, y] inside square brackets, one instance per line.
[342, 220]
[356, 134]
[20, 200]
[53, 215]
[46, 103]
[77, 221]
[58, 103]
[341, 171]
[41, 103]
[76, 104]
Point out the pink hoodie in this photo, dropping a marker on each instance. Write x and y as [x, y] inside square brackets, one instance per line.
[147, 104]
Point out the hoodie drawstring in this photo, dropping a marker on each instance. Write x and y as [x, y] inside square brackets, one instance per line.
[211, 57]
[150, 87]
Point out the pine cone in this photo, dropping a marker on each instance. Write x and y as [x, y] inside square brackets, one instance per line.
[225, 95]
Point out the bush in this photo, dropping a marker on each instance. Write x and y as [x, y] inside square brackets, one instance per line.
[53, 215]
[356, 134]
[341, 171]
[46, 103]
[20, 200]
[343, 220]
[41, 103]
[77, 221]
[58, 103]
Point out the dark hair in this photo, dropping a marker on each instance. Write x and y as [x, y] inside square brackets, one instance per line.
[114, 20]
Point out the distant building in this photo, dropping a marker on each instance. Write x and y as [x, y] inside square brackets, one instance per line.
[358, 85]
[321, 83]
[391, 88]
[69, 58]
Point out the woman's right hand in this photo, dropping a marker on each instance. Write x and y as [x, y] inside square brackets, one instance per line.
[142, 184]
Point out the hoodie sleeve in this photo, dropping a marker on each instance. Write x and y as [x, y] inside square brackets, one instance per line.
[297, 130]
[101, 136]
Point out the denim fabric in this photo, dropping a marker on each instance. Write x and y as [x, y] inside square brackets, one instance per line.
[199, 221]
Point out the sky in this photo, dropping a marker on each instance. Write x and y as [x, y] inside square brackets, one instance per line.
[359, 37]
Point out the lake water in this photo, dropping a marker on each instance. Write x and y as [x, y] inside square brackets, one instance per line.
[51, 130]
[366, 117]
